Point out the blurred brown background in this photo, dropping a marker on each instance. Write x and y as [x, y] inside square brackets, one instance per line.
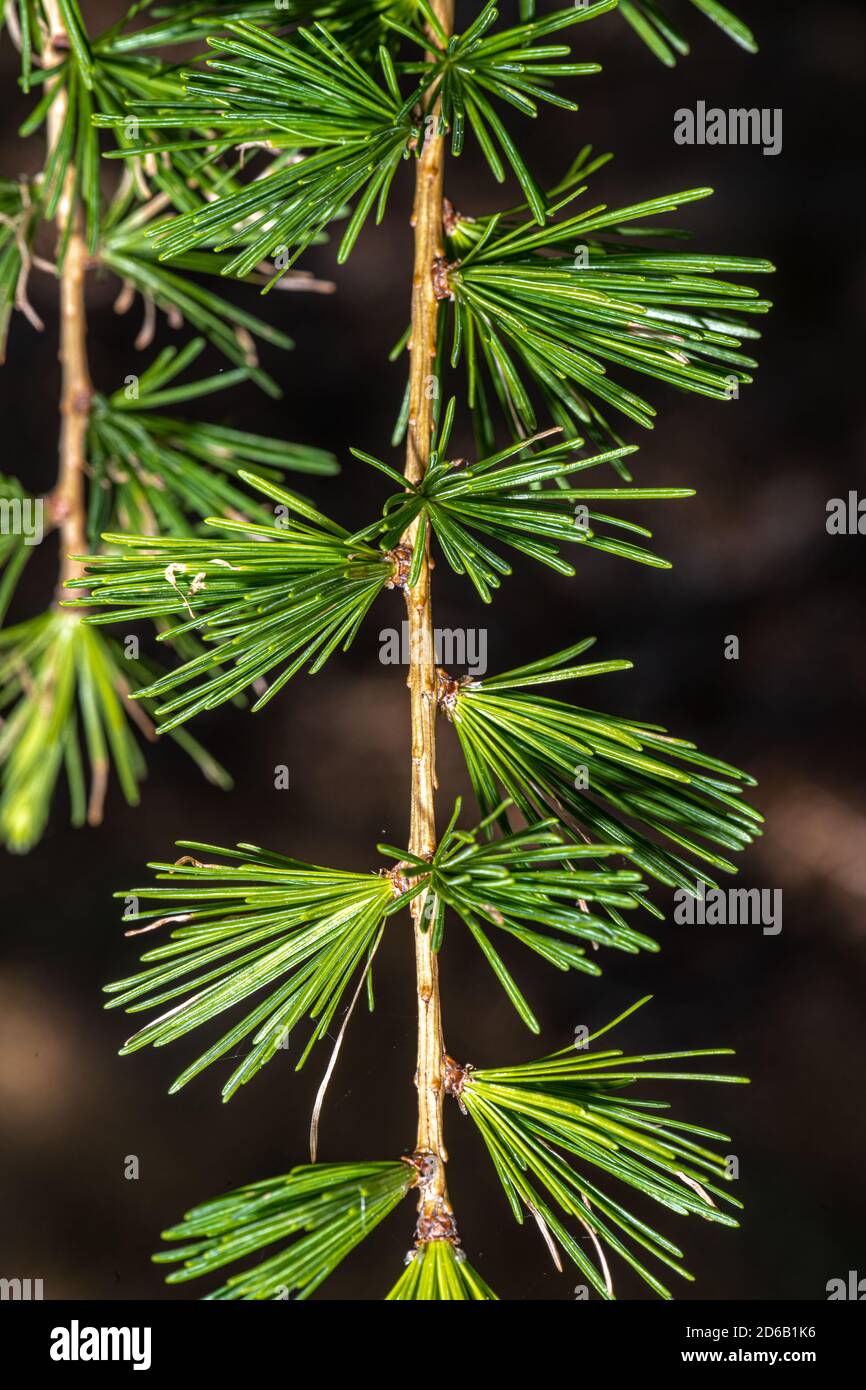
[751, 557]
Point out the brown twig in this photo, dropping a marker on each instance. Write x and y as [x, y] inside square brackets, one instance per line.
[66, 503]
[434, 1207]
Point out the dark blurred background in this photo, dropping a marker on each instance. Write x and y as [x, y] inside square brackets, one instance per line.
[751, 557]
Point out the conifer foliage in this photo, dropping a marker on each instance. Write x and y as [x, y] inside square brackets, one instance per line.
[561, 326]
[127, 459]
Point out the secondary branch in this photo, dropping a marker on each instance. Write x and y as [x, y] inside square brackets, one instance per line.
[67, 501]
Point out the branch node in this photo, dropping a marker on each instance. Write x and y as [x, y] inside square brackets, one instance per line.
[447, 690]
[441, 284]
[401, 561]
[400, 882]
[436, 1220]
[456, 1078]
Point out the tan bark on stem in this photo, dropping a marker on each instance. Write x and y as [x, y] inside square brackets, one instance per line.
[434, 1207]
[67, 502]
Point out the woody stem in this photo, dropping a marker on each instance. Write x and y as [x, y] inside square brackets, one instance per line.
[427, 221]
[66, 502]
